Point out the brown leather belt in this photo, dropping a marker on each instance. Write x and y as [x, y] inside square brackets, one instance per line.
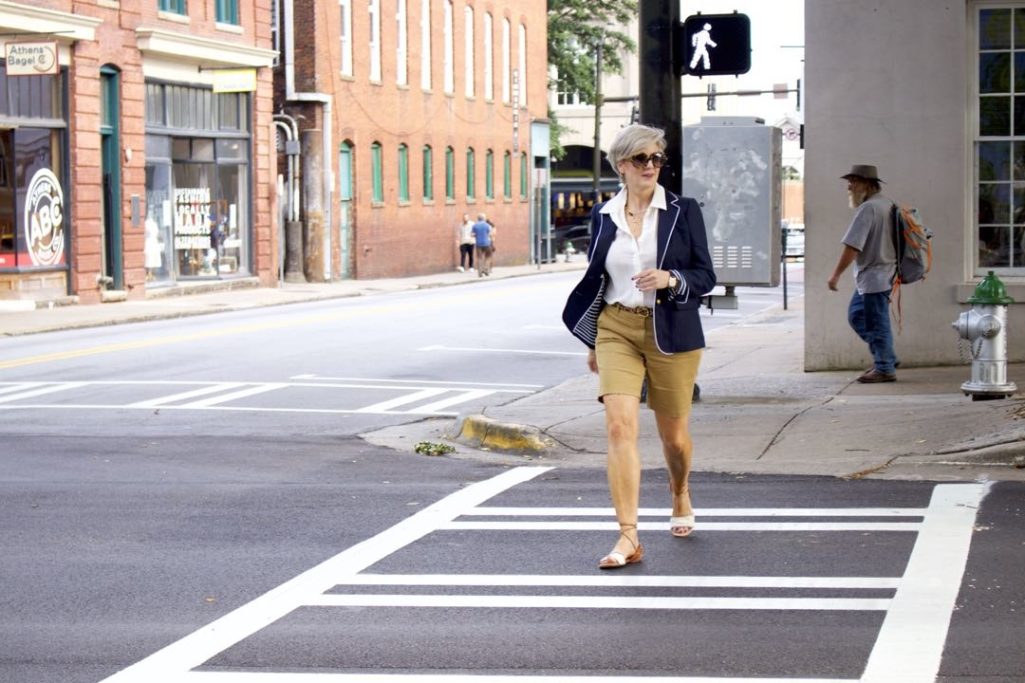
[642, 311]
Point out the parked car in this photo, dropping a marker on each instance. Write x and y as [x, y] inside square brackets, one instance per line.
[577, 234]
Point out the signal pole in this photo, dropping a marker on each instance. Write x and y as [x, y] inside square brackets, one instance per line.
[660, 104]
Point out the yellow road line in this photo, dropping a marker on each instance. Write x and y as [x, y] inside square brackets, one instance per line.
[162, 341]
[242, 329]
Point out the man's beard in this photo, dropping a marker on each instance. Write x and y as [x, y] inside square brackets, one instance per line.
[856, 198]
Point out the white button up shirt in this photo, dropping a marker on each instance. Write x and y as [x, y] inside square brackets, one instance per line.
[628, 256]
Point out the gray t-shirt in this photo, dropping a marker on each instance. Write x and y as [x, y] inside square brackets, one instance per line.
[871, 233]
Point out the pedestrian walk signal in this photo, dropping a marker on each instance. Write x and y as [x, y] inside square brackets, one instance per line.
[714, 45]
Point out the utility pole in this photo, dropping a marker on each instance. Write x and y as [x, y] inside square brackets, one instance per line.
[659, 85]
[596, 159]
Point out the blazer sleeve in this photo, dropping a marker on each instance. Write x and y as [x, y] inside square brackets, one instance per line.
[698, 273]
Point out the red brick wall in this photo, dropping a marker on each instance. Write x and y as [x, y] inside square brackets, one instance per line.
[115, 45]
[390, 239]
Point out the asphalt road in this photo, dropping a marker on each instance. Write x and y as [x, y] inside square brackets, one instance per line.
[191, 496]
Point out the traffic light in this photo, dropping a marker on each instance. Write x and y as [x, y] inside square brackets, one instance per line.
[714, 45]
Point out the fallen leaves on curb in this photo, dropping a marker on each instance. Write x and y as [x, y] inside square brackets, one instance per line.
[431, 448]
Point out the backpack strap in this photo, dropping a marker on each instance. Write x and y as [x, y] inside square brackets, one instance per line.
[898, 314]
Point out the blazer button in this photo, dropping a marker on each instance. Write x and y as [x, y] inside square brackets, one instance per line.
[658, 301]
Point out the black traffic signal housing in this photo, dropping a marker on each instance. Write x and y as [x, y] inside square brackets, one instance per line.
[713, 45]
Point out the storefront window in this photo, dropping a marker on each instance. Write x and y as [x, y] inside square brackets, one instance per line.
[197, 185]
[33, 202]
[159, 218]
[34, 197]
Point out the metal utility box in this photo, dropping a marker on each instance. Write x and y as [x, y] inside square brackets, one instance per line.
[732, 167]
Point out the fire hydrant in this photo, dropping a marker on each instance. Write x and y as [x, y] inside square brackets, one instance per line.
[985, 326]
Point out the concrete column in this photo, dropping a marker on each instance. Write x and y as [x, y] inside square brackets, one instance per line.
[313, 203]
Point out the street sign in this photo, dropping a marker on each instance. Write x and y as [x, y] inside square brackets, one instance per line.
[714, 45]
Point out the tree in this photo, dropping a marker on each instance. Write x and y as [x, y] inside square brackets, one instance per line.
[575, 28]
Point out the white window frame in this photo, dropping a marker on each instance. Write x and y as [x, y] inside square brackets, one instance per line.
[506, 65]
[1015, 138]
[489, 58]
[425, 44]
[345, 39]
[275, 32]
[401, 43]
[522, 59]
[468, 56]
[374, 12]
[449, 50]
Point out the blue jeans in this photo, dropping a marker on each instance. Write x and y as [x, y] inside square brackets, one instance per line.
[869, 317]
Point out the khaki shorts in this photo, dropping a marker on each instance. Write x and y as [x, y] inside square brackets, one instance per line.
[626, 352]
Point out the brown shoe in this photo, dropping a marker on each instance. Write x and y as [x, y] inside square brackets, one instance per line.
[616, 559]
[873, 376]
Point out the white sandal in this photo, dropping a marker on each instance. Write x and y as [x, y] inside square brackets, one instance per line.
[616, 559]
[681, 527]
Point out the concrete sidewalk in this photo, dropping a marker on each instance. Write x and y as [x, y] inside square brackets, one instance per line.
[759, 412]
[25, 317]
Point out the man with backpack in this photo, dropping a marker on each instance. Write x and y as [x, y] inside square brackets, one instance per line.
[868, 244]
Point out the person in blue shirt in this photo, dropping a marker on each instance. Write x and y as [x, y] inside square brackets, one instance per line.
[483, 234]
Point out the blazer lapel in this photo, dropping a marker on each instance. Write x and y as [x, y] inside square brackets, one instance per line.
[603, 240]
[666, 224]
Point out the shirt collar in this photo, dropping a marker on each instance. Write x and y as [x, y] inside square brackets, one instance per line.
[618, 203]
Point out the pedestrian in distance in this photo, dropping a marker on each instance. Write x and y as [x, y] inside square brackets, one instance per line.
[868, 244]
[482, 232]
[636, 309]
[466, 243]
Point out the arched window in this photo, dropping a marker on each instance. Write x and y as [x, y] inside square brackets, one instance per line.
[471, 169]
[489, 58]
[377, 172]
[506, 65]
[425, 44]
[522, 71]
[507, 175]
[489, 175]
[403, 173]
[524, 175]
[428, 174]
[468, 52]
[345, 172]
[449, 49]
[450, 173]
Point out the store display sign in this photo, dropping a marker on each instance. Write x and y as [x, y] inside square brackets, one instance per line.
[32, 59]
[192, 218]
[44, 219]
[235, 80]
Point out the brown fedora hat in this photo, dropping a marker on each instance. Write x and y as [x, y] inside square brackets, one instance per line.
[866, 171]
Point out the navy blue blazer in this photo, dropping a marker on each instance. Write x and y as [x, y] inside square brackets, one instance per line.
[682, 247]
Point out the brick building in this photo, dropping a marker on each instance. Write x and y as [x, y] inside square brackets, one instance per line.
[136, 146]
[406, 115]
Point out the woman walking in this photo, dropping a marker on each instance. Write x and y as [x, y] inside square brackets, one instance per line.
[636, 309]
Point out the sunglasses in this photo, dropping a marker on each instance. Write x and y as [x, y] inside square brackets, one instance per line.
[658, 160]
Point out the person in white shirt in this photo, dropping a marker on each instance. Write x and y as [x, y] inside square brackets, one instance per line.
[466, 244]
[636, 308]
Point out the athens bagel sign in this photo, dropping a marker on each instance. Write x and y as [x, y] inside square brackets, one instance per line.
[31, 59]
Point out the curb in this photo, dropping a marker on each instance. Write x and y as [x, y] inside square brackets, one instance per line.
[482, 432]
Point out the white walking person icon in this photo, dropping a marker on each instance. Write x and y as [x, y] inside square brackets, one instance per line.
[701, 41]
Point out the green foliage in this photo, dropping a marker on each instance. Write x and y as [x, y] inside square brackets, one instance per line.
[431, 448]
[575, 28]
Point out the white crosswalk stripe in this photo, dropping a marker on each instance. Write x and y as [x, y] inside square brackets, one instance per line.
[40, 391]
[409, 397]
[917, 605]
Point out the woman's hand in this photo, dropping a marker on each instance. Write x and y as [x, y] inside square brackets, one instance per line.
[651, 279]
[592, 361]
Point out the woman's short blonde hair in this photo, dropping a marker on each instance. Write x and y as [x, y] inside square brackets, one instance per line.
[633, 139]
